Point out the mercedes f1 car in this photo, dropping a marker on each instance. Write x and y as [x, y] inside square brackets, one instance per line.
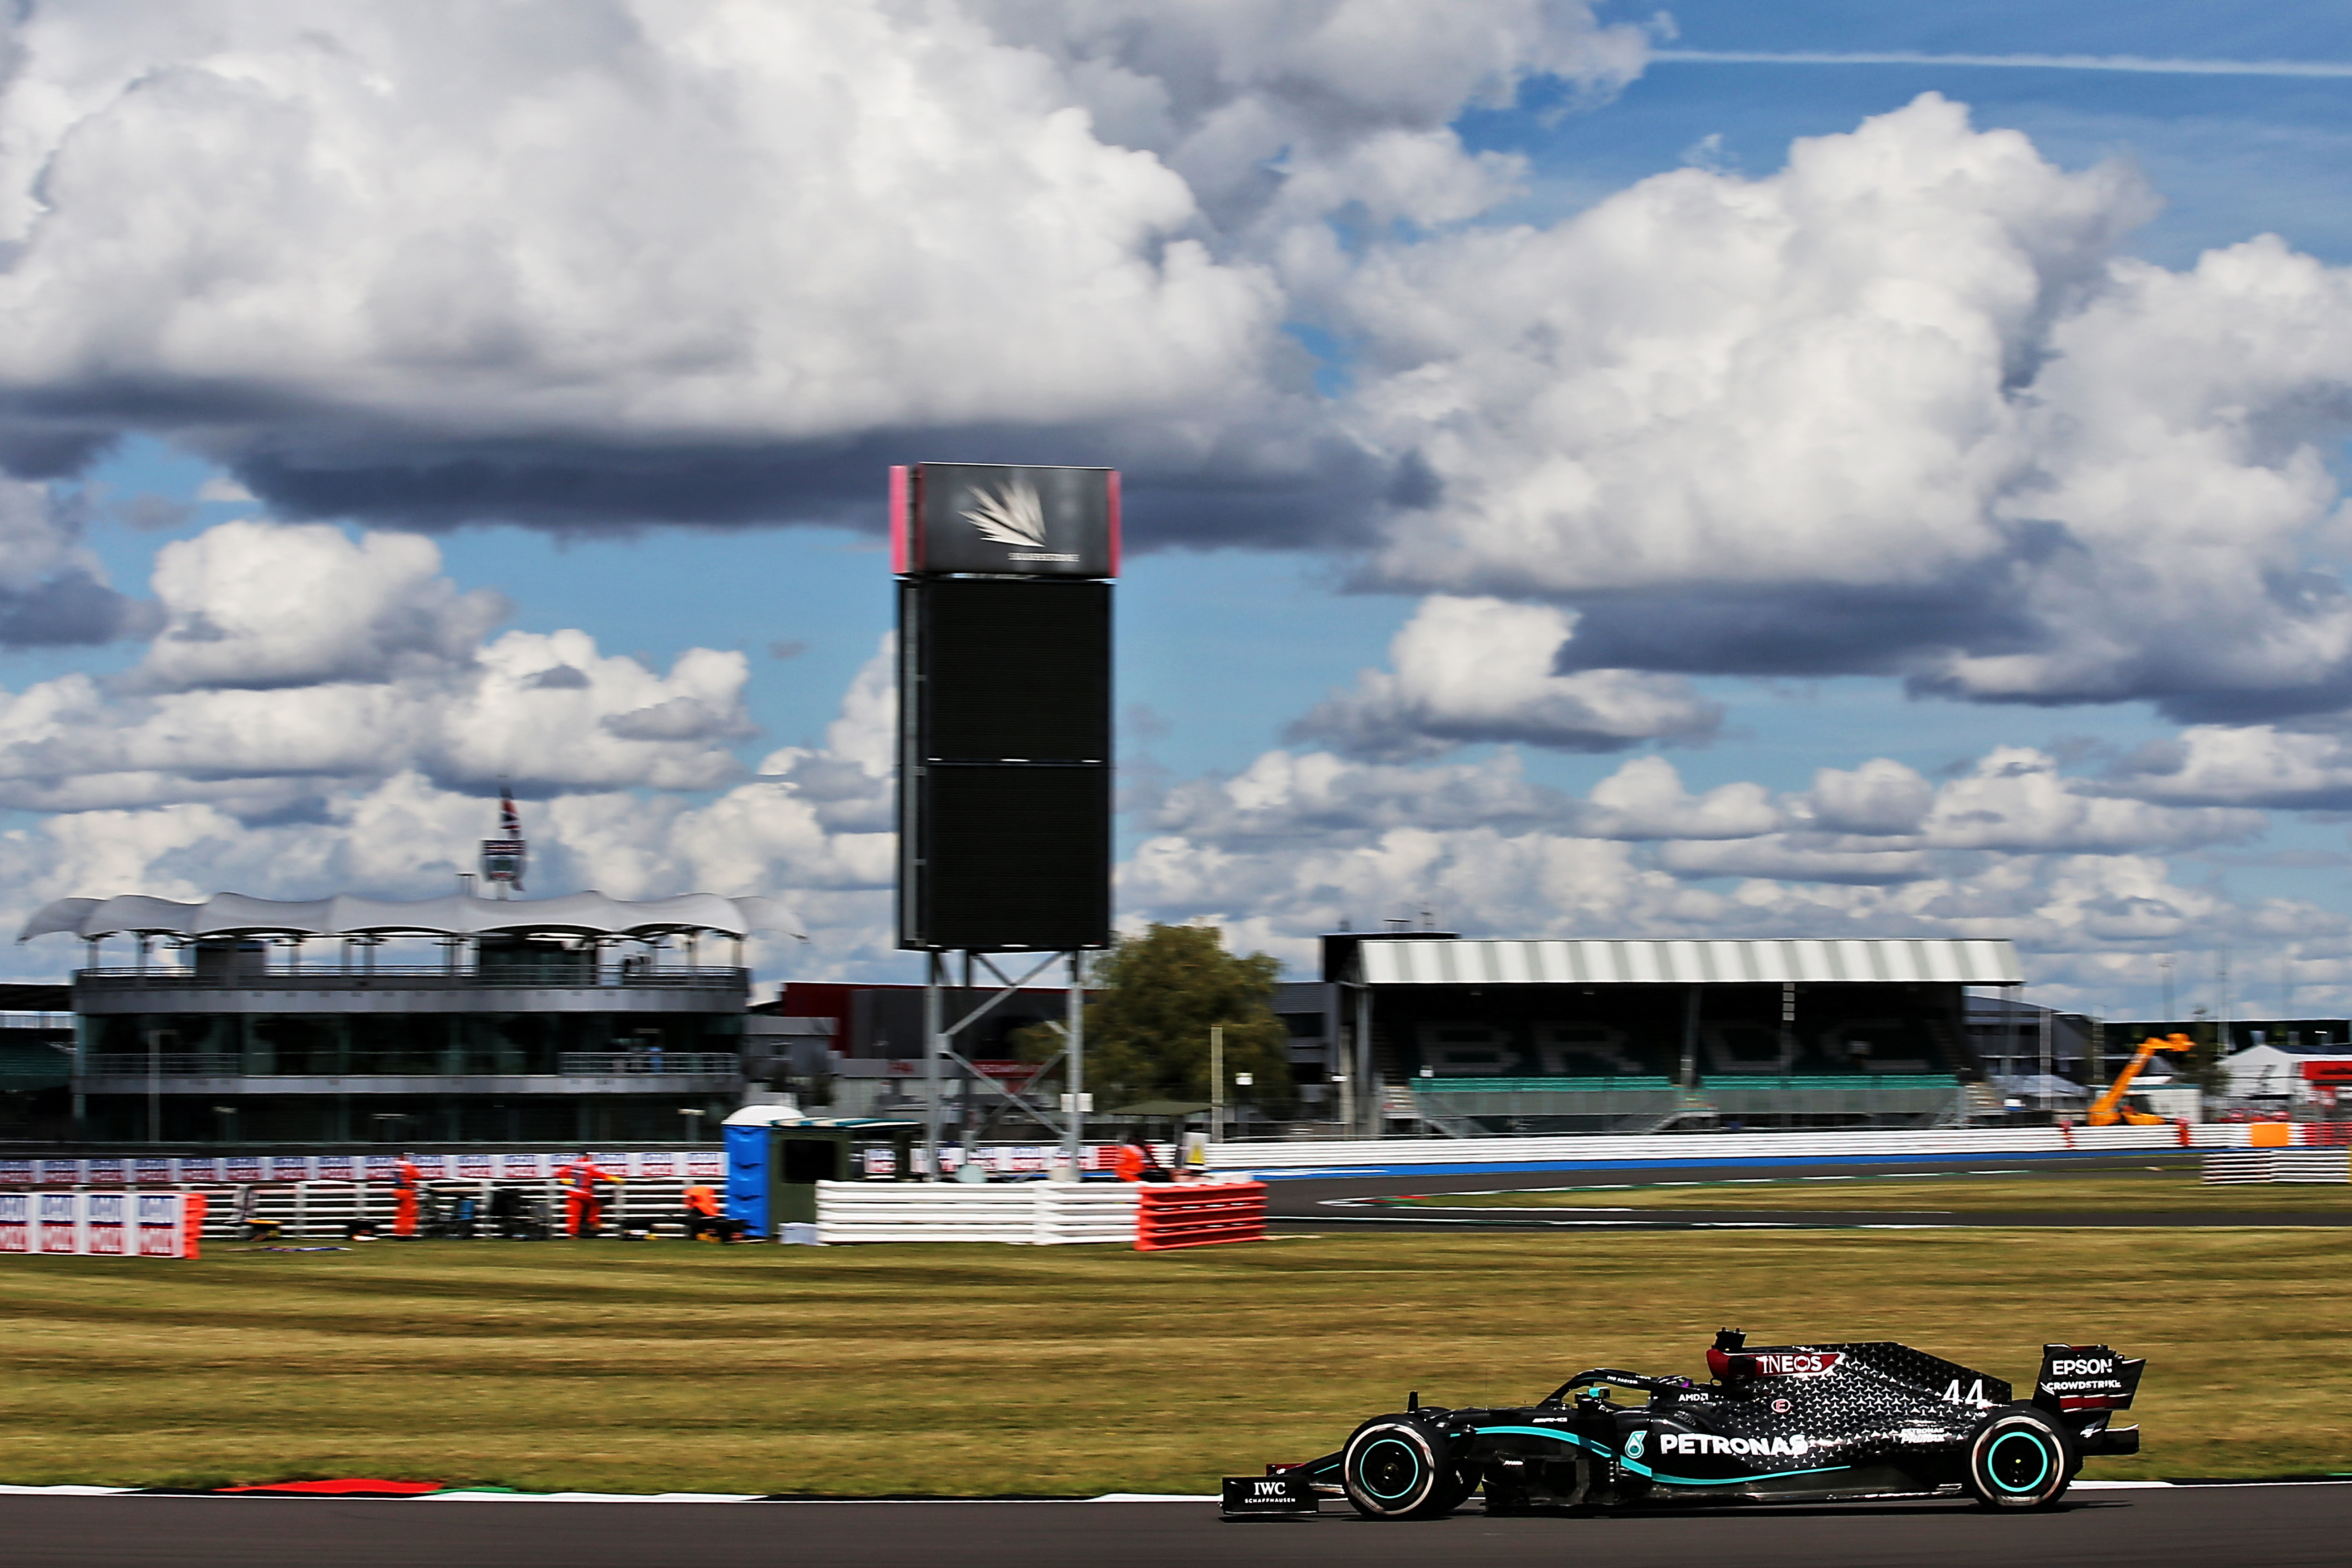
[1815, 1423]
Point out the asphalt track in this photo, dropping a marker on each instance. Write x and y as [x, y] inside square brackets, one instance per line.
[2247, 1527]
[1342, 1202]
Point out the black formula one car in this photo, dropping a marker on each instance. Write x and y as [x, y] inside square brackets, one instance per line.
[1820, 1423]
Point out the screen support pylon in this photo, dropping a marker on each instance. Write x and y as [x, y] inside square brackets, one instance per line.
[939, 1049]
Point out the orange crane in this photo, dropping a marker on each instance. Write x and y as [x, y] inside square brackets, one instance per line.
[2110, 1108]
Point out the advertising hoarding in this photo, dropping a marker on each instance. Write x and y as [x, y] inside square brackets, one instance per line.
[1004, 520]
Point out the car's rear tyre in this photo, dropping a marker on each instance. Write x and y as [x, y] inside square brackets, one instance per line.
[1392, 1469]
[2020, 1459]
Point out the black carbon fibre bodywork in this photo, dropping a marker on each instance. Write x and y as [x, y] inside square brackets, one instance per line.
[1825, 1422]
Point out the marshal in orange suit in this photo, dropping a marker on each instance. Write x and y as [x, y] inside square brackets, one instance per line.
[407, 1181]
[583, 1200]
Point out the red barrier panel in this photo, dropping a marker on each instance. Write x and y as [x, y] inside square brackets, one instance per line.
[1198, 1214]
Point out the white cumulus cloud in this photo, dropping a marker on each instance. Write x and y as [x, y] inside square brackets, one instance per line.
[1471, 670]
[1898, 408]
[260, 605]
[294, 661]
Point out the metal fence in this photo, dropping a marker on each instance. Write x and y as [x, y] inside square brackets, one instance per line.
[164, 1064]
[624, 1063]
[411, 977]
[1475, 1107]
[135, 1065]
[324, 1210]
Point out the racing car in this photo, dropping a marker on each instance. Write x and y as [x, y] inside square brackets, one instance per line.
[1815, 1423]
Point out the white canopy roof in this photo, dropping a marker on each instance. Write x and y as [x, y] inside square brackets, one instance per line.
[453, 914]
[2269, 1069]
[1801, 961]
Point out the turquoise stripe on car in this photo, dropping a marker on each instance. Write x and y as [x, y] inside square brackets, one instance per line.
[1636, 1465]
[1640, 1469]
[1554, 1433]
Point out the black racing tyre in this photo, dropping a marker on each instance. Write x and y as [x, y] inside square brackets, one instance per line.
[2020, 1459]
[1391, 1469]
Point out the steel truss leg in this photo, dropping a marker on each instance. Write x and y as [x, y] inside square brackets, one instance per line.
[939, 1048]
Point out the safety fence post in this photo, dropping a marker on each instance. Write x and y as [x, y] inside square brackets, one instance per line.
[1198, 1214]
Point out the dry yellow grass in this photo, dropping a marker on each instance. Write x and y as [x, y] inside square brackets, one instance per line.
[976, 1369]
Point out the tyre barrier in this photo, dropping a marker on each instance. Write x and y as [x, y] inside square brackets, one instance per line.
[1203, 1214]
[2299, 1165]
[103, 1225]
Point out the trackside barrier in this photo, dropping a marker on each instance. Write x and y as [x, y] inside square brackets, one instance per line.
[681, 1165]
[1021, 1214]
[2281, 1165]
[233, 1170]
[1243, 1159]
[103, 1225]
[1016, 1158]
[316, 1209]
[326, 1208]
[1070, 1212]
[1208, 1214]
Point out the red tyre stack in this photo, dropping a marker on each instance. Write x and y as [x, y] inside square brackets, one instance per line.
[1198, 1214]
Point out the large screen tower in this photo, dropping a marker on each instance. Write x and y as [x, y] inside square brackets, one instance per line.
[1004, 737]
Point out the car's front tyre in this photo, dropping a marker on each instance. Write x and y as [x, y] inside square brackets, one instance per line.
[1393, 1470]
[2020, 1459]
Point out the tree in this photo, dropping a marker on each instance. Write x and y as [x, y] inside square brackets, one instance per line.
[2203, 1066]
[1148, 1032]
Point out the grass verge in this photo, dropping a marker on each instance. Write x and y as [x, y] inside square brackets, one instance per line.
[972, 1370]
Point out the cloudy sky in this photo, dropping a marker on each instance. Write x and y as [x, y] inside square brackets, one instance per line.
[1822, 470]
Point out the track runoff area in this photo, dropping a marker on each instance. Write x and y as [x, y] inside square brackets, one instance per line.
[1615, 1196]
[2249, 1526]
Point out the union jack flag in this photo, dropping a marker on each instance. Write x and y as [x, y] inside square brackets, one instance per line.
[503, 856]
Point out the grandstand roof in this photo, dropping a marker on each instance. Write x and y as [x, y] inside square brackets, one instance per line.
[1803, 960]
[453, 914]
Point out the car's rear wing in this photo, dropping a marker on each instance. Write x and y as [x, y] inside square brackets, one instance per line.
[2085, 1377]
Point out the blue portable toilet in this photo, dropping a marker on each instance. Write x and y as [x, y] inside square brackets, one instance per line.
[776, 1156]
[751, 1162]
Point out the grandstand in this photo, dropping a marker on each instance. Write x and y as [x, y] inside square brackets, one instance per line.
[1483, 1038]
